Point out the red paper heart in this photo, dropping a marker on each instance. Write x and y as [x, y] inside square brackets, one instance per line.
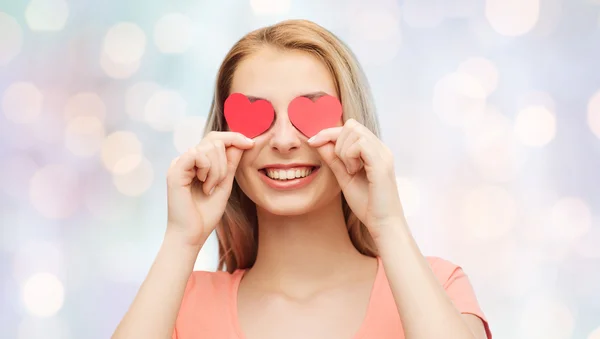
[311, 117]
[249, 118]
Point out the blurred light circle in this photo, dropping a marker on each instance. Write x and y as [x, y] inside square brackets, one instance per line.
[118, 70]
[121, 152]
[423, 13]
[164, 110]
[188, 133]
[137, 181]
[85, 104]
[374, 31]
[537, 98]
[593, 116]
[43, 328]
[136, 98]
[410, 195]
[595, 334]
[489, 212]
[173, 33]
[47, 15]
[84, 136]
[53, 191]
[459, 98]
[546, 318]
[571, 218]
[124, 43]
[512, 17]
[270, 7]
[375, 23]
[37, 256]
[104, 202]
[15, 173]
[492, 147]
[43, 294]
[483, 70]
[535, 126]
[588, 246]
[22, 103]
[11, 38]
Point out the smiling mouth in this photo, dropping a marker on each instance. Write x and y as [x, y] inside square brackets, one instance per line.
[281, 174]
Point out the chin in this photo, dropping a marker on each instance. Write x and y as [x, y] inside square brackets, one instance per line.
[287, 205]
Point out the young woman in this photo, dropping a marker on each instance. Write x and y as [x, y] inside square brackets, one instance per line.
[311, 230]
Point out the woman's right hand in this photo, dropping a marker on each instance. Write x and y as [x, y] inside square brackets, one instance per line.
[199, 184]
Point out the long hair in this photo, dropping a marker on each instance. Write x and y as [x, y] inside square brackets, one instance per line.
[237, 232]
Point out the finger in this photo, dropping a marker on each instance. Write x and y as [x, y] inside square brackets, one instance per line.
[213, 173]
[335, 164]
[362, 149]
[325, 136]
[233, 159]
[346, 138]
[231, 139]
[202, 166]
[349, 156]
[220, 148]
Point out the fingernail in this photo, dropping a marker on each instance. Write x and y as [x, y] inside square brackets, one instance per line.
[312, 138]
[211, 191]
[250, 140]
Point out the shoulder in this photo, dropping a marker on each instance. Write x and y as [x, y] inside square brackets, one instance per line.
[443, 269]
[209, 285]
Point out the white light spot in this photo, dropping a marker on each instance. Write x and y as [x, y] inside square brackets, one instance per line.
[137, 181]
[47, 15]
[121, 152]
[595, 334]
[118, 70]
[546, 318]
[137, 97]
[423, 13]
[512, 17]
[571, 218]
[270, 7]
[11, 38]
[188, 133]
[85, 104]
[164, 110]
[410, 195]
[84, 136]
[173, 33]
[124, 43]
[459, 98]
[489, 212]
[43, 294]
[491, 144]
[593, 114]
[483, 70]
[54, 191]
[535, 126]
[22, 103]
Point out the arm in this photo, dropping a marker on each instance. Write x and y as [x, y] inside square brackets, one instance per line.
[155, 308]
[423, 305]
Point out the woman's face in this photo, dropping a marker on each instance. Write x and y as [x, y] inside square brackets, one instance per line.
[264, 173]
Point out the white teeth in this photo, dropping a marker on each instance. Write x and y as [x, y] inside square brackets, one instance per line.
[294, 173]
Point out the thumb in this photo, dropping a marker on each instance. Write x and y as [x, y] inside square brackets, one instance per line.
[327, 153]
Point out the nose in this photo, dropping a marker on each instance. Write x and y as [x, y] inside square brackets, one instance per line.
[284, 137]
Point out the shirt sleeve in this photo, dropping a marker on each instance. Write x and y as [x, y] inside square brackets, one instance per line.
[459, 289]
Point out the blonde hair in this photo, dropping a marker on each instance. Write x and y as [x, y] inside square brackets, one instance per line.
[238, 230]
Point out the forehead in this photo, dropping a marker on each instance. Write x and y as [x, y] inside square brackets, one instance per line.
[280, 75]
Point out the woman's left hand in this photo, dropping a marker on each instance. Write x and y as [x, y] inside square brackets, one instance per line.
[364, 168]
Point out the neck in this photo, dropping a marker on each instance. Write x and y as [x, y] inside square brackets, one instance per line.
[312, 247]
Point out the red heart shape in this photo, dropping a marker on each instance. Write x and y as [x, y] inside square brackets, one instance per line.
[311, 117]
[249, 118]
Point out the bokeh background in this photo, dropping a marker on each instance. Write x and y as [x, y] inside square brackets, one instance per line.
[492, 109]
